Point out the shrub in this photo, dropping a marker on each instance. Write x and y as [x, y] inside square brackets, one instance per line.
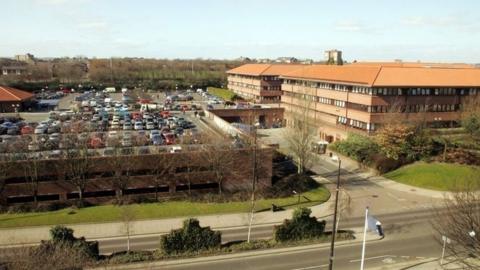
[356, 146]
[301, 226]
[285, 186]
[190, 238]
[62, 234]
[384, 164]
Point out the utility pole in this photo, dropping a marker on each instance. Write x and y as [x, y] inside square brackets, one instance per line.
[334, 231]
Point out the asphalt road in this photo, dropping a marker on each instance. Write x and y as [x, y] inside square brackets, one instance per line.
[394, 224]
[410, 245]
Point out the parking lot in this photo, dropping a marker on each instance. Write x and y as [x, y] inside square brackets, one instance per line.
[108, 123]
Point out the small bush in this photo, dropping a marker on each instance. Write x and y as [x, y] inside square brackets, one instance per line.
[356, 146]
[190, 238]
[383, 164]
[62, 234]
[301, 226]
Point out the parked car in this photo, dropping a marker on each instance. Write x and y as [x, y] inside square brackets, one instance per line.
[27, 130]
[40, 129]
[138, 126]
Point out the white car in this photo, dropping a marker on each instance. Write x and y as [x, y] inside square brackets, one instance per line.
[138, 126]
[150, 125]
[115, 124]
[41, 129]
[112, 134]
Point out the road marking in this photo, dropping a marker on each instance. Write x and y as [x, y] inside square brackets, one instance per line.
[373, 258]
[311, 267]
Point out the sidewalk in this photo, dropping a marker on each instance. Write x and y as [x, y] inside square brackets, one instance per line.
[33, 235]
[427, 264]
[367, 173]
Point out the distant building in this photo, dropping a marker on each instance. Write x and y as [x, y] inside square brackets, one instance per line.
[288, 60]
[13, 70]
[334, 57]
[259, 82]
[27, 58]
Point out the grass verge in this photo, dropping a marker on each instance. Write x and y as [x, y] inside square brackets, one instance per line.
[171, 209]
[221, 92]
[145, 256]
[438, 176]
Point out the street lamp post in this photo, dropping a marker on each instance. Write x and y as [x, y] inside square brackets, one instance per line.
[254, 180]
[334, 230]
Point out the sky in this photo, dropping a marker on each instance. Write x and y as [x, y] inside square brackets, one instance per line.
[411, 30]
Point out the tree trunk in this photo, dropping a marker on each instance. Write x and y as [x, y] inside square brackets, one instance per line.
[35, 199]
[219, 187]
[80, 196]
[156, 192]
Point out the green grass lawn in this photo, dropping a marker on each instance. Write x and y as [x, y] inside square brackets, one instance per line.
[172, 209]
[437, 176]
[223, 93]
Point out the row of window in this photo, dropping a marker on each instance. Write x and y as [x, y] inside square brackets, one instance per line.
[378, 109]
[412, 108]
[328, 101]
[245, 85]
[355, 123]
[387, 91]
[272, 88]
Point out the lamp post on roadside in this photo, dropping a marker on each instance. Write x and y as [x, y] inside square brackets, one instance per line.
[254, 179]
[334, 230]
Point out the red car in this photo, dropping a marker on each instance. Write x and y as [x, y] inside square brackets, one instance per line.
[165, 114]
[169, 138]
[26, 130]
[96, 142]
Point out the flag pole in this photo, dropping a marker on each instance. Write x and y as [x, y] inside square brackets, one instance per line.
[364, 238]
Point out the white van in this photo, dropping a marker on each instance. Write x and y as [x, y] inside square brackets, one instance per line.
[176, 149]
[109, 90]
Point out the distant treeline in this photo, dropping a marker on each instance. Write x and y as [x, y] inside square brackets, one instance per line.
[157, 74]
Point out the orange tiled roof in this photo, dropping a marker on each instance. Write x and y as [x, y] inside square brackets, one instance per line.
[414, 64]
[348, 74]
[383, 75]
[12, 94]
[264, 69]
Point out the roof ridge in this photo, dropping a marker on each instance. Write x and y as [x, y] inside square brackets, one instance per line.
[265, 69]
[376, 76]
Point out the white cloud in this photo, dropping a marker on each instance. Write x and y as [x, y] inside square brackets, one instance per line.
[59, 2]
[350, 26]
[99, 26]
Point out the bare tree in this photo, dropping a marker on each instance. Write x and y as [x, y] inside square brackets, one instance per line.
[32, 166]
[60, 256]
[220, 157]
[123, 166]
[6, 166]
[127, 213]
[162, 165]
[76, 165]
[458, 219]
[300, 137]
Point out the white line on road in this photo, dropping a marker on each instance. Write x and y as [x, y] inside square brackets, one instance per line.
[312, 267]
[373, 258]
